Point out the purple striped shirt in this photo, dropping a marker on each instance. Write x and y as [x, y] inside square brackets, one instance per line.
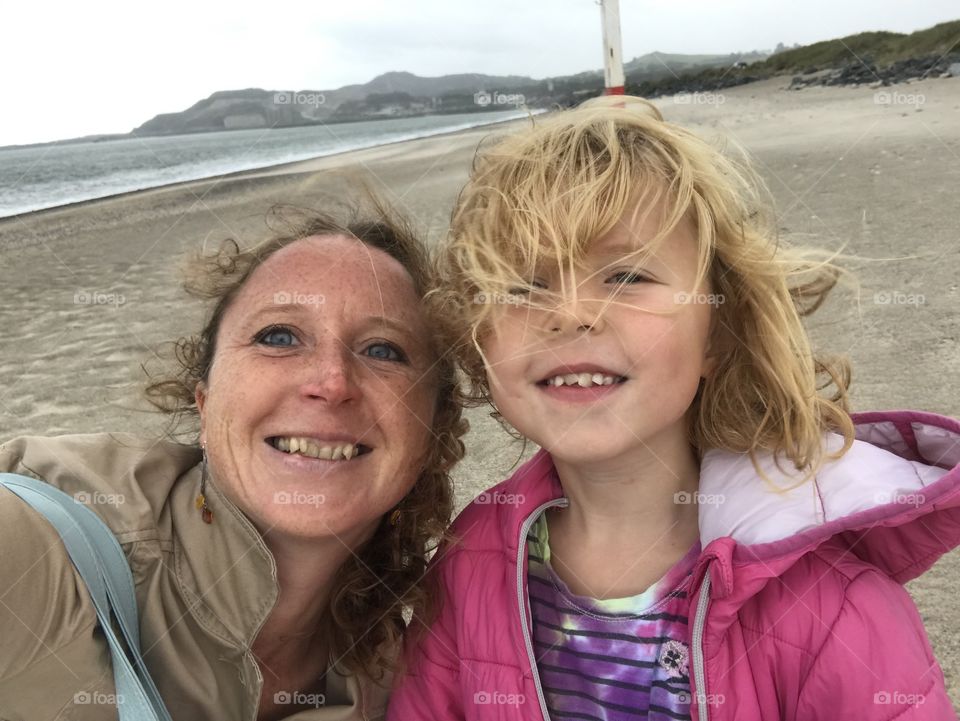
[611, 659]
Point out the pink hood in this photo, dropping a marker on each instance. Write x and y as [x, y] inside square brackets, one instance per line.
[888, 484]
[890, 504]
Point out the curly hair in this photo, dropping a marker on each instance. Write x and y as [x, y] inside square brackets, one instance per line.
[386, 577]
[547, 191]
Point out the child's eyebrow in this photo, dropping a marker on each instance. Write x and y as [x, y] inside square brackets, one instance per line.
[620, 250]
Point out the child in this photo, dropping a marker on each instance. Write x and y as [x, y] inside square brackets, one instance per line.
[703, 535]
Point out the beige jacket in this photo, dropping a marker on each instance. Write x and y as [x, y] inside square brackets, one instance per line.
[203, 590]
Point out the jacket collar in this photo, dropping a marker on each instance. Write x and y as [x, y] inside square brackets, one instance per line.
[893, 499]
[228, 577]
[900, 480]
[533, 484]
[224, 569]
[898, 470]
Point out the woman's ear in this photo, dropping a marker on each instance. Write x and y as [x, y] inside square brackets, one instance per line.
[709, 365]
[200, 396]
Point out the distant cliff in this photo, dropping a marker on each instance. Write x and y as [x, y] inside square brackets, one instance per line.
[401, 94]
[389, 95]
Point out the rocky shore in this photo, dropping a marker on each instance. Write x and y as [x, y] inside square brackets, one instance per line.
[865, 72]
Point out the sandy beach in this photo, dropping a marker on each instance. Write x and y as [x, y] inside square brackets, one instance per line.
[89, 291]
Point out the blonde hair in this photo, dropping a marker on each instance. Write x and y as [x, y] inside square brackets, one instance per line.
[551, 189]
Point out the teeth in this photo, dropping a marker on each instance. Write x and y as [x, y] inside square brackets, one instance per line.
[584, 380]
[310, 448]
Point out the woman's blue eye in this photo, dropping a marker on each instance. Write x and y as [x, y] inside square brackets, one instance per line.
[385, 351]
[277, 336]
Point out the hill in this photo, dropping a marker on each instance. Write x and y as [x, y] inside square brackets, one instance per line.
[870, 57]
[403, 94]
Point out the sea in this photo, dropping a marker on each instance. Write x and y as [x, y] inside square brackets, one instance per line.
[46, 176]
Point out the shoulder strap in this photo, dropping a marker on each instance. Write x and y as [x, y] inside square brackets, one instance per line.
[102, 565]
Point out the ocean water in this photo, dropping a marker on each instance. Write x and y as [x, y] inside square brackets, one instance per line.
[32, 178]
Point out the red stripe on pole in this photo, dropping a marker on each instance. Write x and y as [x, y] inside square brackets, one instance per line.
[614, 91]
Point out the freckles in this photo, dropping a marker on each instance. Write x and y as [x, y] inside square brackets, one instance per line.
[405, 394]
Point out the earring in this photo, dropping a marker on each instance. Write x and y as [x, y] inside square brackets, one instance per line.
[205, 513]
[395, 517]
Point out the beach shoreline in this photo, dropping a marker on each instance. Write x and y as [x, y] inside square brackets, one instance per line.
[284, 167]
[846, 169]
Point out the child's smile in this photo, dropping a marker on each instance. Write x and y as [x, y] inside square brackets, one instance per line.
[581, 382]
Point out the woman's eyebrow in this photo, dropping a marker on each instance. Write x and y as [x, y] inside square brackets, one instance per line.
[372, 321]
[391, 323]
[274, 309]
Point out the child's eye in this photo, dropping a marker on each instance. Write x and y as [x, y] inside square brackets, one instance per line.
[627, 276]
[526, 289]
[385, 351]
[276, 336]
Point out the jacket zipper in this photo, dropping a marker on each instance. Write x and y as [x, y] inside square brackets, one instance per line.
[698, 622]
[521, 601]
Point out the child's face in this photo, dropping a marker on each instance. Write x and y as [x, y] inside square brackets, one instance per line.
[648, 364]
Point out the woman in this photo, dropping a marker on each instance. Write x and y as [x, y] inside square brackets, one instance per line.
[273, 559]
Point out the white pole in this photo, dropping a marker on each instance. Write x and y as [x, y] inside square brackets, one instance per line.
[612, 55]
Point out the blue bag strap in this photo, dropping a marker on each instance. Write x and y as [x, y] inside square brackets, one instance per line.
[100, 561]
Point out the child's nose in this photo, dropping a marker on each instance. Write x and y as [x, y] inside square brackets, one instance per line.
[575, 314]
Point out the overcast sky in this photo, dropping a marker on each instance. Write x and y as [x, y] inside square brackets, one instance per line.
[105, 66]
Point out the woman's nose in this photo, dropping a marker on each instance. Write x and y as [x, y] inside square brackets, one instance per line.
[329, 376]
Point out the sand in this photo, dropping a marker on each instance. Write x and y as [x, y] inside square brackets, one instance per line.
[90, 290]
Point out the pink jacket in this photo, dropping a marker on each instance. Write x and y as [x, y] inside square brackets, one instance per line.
[797, 605]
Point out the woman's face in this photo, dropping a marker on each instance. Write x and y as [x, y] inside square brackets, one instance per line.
[318, 408]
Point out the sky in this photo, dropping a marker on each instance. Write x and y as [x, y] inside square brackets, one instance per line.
[105, 66]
